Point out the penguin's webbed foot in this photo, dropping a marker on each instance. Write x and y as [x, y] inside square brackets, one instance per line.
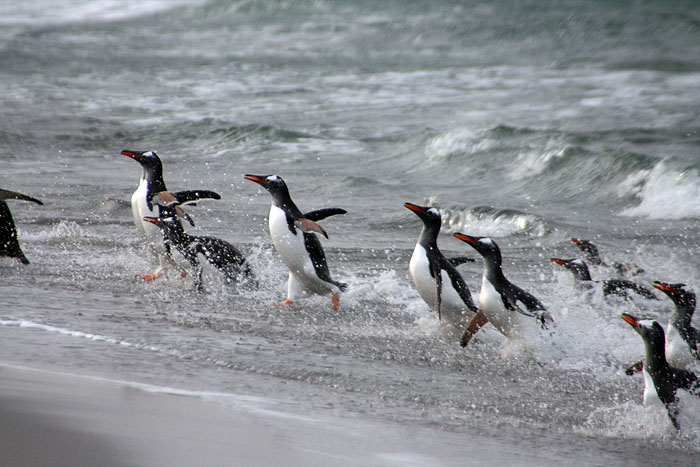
[285, 303]
[477, 322]
[151, 277]
[336, 301]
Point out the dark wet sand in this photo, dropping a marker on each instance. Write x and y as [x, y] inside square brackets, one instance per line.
[59, 420]
[56, 419]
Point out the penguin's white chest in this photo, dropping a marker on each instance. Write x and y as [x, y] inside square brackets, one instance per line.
[452, 308]
[491, 303]
[293, 253]
[677, 350]
[651, 398]
[419, 267]
[139, 209]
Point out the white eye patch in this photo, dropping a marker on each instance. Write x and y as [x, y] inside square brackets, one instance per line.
[433, 211]
[149, 154]
[486, 241]
[577, 262]
[273, 178]
[646, 323]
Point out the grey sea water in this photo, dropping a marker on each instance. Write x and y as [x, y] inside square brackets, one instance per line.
[531, 122]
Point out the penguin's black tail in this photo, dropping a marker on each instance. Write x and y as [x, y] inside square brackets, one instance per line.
[342, 286]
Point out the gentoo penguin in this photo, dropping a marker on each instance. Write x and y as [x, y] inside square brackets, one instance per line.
[683, 341]
[661, 380]
[221, 254]
[506, 306]
[142, 205]
[293, 234]
[593, 257]
[436, 277]
[611, 286]
[9, 244]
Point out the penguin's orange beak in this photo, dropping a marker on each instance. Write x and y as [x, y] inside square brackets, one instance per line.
[153, 220]
[558, 261]
[577, 241]
[256, 178]
[132, 154]
[630, 320]
[664, 287]
[414, 208]
[465, 238]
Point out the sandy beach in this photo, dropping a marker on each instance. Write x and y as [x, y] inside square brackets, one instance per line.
[57, 419]
[54, 419]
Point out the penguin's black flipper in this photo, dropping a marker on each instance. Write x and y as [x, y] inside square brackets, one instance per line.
[458, 260]
[435, 272]
[192, 196]
[321, 214]
[513, 297]
[7, 194]
[618, 287]
[458, 282]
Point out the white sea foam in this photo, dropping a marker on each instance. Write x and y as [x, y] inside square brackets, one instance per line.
[50, 12]
[483, 221]
[664, 193]
[72, 333]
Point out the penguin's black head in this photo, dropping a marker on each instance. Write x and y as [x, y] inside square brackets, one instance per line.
[586, 246]
[682, 295]
[650, 330]
[429, 216]
[576, 266]
[148, 159]
[272, 183]
[484, 245]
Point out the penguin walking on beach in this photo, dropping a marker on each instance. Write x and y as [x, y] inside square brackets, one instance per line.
[143, 205]
[219, 253]
[505, 305]
[9, 243]
[436, 277]
[294, 237]
[661, 380]
[610, 286]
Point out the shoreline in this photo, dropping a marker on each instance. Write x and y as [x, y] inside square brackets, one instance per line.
[59, 419]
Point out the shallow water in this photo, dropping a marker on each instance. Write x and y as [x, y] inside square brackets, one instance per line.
[531, 124]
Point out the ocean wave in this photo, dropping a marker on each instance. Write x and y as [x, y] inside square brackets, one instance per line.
[490, 221]
[579, 167]
[43, 13]
[664, 192]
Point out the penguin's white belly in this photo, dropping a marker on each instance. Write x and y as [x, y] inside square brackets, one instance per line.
[452, 308]
[293, 253]
[651, 398]
[419, 267]
[139, 209]
[510, 323]
[678, 352]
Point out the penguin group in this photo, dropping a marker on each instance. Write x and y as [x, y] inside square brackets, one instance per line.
[671, 359]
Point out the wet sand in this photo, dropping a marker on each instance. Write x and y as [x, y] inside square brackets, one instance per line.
[57, 419]
[60, 420]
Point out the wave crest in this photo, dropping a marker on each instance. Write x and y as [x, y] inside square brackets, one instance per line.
[490, 221]
[663, 192]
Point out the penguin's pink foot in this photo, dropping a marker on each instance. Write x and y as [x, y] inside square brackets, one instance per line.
[336, 301]
[151, 277]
